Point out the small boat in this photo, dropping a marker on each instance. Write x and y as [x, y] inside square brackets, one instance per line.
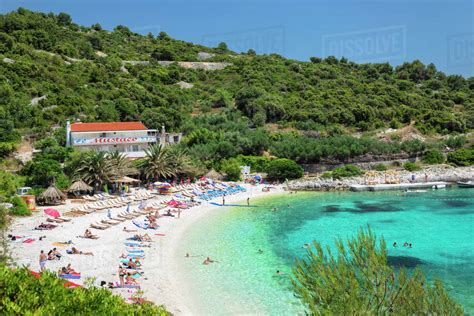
[439, 186]
[466, 184]
[416, 191]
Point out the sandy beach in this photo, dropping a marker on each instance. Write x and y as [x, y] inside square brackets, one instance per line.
[162, 281]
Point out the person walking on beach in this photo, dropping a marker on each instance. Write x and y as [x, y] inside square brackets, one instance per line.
[248, 201]
[223, 199]
[42, 260]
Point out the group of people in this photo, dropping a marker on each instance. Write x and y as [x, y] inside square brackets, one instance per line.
[67, 270]
[126, 277]
[405, 244]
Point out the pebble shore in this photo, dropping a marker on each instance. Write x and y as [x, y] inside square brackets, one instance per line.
[444, 173]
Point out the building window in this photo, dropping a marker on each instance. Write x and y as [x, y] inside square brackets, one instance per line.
[135, 148]
[103, 134]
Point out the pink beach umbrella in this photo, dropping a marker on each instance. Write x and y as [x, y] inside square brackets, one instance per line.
[52, 212]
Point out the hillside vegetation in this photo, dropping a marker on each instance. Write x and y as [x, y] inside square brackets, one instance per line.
[52, 70]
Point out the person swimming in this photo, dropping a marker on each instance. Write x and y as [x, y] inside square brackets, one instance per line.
[260, 251]
[395, 244]
[279, 272]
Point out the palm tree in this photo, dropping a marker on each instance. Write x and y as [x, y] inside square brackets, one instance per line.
[121, 165]
[95, 168]
[180, 161]
[157, 163]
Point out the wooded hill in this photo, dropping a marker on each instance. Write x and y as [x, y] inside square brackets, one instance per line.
[52, 70]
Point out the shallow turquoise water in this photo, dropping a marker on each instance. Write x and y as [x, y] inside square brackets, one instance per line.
[439, 224]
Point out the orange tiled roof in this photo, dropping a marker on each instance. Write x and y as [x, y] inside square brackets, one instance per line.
[108, 126]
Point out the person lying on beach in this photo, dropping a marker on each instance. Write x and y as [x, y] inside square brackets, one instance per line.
[168, 213]
[129, 230]
[130, 280]
[75, 251]
[62, 271]
[153, 225]
[88, 234]
[207, 261]
[44, 226]
[70, 270]
[144, 237]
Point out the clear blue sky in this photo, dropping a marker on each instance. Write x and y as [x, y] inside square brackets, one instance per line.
[438, 31]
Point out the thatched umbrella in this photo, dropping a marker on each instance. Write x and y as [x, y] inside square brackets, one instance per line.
[126, 179]
[213, 174]
[52, 195]
[80, 186]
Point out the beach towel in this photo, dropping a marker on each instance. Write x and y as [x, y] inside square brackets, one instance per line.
[135, 255]
[136, 275]
[62, 244]
[70, 276]
[130, 286]
[28, 241]
[135, 251]
[160, 235]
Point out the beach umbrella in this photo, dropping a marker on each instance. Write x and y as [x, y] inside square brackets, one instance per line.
[213, 174]
[80, 186]
[126, 180]
[52, 194]
[52, 212]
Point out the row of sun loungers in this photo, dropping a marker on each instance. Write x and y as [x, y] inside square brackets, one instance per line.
[108, 202]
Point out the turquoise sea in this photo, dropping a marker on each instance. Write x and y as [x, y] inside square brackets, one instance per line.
[439, 224]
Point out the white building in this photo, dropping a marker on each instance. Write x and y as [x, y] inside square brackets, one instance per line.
[130, 138]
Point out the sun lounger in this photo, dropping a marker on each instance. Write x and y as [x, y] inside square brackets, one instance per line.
[101, 227]
[109, 222]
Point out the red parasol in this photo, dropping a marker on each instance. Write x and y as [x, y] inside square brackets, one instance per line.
[52, 212]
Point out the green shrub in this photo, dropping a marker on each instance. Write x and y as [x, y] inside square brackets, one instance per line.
[6, 148]
[326, 175]
[346, 171]
[19, 207]
[433, 157]
[380, 167]
[231, 169]
[22, 293]
[356, 279]
[282, 169]
[411, 166]
[462, 157]
[256, 163]
[455, 141]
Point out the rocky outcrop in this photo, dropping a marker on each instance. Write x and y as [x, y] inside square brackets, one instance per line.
[136, 62]
[205, 56]
[196, 65]
[185, 85]
[37, 100]
[444, 173]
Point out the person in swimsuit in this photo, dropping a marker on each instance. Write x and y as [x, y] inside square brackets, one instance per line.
[42, 260]
[122, 273]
